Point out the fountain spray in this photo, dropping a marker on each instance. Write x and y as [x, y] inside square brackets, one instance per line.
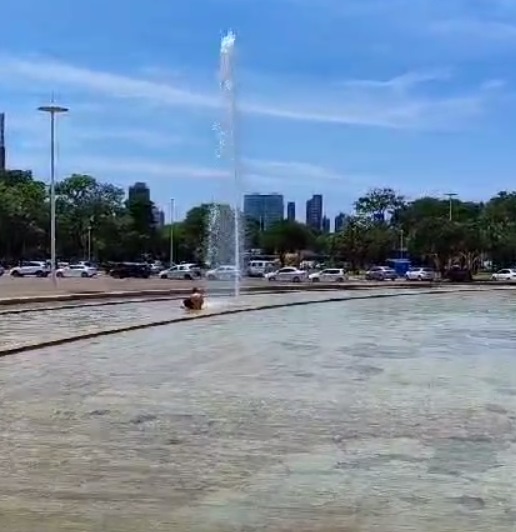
[227, 64]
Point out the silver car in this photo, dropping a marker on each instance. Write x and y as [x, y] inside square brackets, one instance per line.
[420, 274]
[381, 273]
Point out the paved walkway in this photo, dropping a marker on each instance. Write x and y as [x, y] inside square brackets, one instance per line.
[12, 287]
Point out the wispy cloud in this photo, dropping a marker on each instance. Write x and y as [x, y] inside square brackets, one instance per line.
[491, 30]
[390, 105]
[401, 83]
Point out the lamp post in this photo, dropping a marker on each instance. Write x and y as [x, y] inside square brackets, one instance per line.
[53, 110]
[172, 221]
[450, 197]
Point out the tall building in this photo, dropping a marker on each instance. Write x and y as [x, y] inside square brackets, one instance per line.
[159, 217]
[314, 210]
[2, 142]
[325, 225]
[139, 191]
[291, 211]
[267, 209]
[340, 222]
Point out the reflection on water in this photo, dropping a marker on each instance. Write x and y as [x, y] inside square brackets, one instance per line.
[364, 416]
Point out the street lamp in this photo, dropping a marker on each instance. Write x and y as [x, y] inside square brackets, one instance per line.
[53, 110]
[172, 221]
[450, 197]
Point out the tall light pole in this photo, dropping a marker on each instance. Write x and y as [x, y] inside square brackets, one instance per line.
[53, 110]
[172, 221]
[450, 197]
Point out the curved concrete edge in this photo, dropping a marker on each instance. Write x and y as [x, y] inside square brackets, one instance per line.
[124, 301]
[206, 315]
[123, 294]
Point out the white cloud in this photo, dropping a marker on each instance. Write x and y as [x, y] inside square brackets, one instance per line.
[291, 170]
[471, 28]
[141, 137]
[391, 105]
[401, 83]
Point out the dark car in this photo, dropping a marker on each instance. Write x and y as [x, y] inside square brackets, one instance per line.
[130, 269]
[456, 274]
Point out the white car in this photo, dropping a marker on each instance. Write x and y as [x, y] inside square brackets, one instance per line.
[287, 274]
[188, 272]
[507, 274]
[36, 268]
[77, 270]
[420, 274]
[337, 275]
[223, 273]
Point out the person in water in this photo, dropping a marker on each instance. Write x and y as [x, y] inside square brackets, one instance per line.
[195, 301]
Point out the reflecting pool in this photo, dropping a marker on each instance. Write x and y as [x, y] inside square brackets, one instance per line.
[368, 415]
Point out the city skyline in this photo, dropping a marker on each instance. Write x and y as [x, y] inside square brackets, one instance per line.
[355, 98]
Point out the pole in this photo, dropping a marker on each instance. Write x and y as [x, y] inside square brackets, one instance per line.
[89, 243]
[450, 205]
[172, 221]
[402, 243]
[53, 197]
[53, 110]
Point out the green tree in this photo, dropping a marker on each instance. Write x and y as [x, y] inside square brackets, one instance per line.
[287, 237]
[24, 216]
[87, 209]
[379, 204]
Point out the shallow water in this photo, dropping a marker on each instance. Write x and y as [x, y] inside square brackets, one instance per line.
[387, 414]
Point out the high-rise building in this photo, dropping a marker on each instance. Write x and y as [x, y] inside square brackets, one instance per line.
[340, 222]
[139, 192]
[159, 217]
[325, 225]
[291, 211]
[267, 209]
[2, 142]
[314, 210]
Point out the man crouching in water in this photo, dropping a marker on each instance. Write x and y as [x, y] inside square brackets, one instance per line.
[195, 301]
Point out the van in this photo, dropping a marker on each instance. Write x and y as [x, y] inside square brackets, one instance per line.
[258, 268]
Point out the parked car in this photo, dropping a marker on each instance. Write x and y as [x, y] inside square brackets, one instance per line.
[31, 268]
[188, 272]
[287, 274]
[381, 273]
[258, 268]
[76, 270]
[456, 274]
[337, 275]
[2, 270]
[130, 269]
[156, 267]
[421, 274]
[507, 274]
[223, 273]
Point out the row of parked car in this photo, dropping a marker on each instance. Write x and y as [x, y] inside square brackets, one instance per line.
[42, 269]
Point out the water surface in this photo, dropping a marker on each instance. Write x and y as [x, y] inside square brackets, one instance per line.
[390, 414]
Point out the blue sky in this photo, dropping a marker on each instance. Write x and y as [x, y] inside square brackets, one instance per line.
[336, 96]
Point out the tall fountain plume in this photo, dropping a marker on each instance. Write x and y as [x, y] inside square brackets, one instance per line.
[229, 137]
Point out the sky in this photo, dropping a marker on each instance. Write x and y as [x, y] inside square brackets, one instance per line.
[334, 96]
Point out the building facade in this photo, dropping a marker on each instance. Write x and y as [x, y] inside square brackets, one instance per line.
[2, 142]
[291, 211]
[325, 225]
[314, 212]
[340, 222]
[159, 217]
[139, 192]
[266, 209]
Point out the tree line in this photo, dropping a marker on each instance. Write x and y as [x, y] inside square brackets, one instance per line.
[96, 218]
